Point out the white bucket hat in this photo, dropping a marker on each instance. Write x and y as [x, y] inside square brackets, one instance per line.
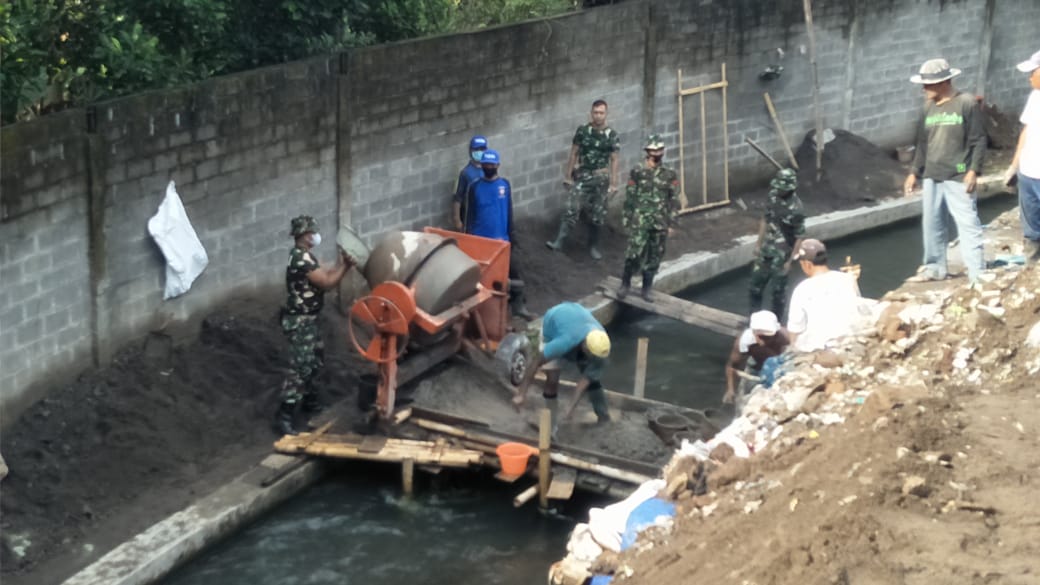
[764, 322]
[935, 71]
[1031, 64]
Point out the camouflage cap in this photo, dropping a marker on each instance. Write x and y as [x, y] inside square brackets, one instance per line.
[302, 225]
[785, 180]
[654, 142]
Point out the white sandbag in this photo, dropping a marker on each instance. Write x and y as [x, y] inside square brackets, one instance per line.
[172, 231]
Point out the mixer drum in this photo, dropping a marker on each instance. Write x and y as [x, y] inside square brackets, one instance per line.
[440, 272]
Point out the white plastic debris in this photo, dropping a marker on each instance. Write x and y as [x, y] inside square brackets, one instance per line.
[172, 231]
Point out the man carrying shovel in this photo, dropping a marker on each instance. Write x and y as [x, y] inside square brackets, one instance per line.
[570, 333]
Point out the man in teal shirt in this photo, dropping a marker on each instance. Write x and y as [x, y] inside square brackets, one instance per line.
[570, 332]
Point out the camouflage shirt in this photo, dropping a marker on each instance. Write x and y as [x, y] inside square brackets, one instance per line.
[651, 198]
[304, 298]
[595, 147]
[785, 219]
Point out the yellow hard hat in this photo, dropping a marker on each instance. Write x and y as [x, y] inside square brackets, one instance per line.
[598, 343]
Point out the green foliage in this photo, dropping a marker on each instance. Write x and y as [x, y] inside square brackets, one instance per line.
[59, 53]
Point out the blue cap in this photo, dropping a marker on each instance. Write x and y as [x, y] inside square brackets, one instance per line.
[489, 157]
[477, 142]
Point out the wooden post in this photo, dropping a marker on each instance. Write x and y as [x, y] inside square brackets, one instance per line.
[725, 136]
[408, 476]
[683, 200]
[544, 461]
[704, 152]
[780, 129]
[641, 350]
[816, 88]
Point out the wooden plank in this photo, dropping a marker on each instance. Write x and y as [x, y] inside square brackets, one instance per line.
[393, 450]
[562, 486]
[780, 129]
[408, 476]
[641, 354]
[544, 461]
[703, 206]
[372, 444]
[688, 312]
[703, 88]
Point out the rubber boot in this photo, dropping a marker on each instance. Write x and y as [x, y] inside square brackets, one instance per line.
[311, 404]
[626, 283]
[283, 419]
[561, 237]
[519, 308]
[594, 242]
[648, 285]
[598, 398]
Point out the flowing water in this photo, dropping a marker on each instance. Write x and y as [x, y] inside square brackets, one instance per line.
[356, 527]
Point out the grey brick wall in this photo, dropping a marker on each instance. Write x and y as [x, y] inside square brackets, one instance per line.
[374, 138]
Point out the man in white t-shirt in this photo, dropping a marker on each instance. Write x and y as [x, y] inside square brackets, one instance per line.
[1027, 161]
[824, 306]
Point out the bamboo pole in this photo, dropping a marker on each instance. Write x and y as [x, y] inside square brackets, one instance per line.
[682, 146]
[816, 87]
[526, 495]
[704, 152]
[641, 351]
[725, 135]
[759, 150]
[780, 129]
[544, 461]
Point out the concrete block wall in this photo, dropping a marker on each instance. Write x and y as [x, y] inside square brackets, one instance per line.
[413, 107]
[1015, 38]
[45, 307]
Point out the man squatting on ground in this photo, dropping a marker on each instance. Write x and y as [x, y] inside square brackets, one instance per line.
[951, 144]
[591, 175]
[488, 208]
[779, 233]
[1027, 161]
[305, 283]
[570, 333]
[651, 207]
[469, 173]
[763, 339]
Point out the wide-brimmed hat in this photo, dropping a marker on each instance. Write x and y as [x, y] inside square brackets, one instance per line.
[1031, 64]
[935, 71]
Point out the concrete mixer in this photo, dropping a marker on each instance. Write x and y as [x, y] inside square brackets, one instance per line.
[431, 292]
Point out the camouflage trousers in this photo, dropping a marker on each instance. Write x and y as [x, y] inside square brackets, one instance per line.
[645, 250]
[589, 193]
[769, 268]
[306, 355]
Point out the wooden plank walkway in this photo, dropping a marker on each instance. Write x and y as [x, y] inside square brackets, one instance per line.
[695, 314]
[373, 448]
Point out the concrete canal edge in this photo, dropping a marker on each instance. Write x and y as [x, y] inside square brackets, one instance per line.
[154, 553]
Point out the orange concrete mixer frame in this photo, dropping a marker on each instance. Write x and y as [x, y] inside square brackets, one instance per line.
[390, 316]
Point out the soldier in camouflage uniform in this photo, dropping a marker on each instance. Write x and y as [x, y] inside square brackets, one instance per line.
[780, 231]
[591, 176]
[651, 206]
[305, 283]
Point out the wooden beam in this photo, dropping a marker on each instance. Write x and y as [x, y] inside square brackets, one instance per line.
[713, 205]
[759, 150]
[544, 462]
[639, 390]
[688, 312]
[682, 146]
[807, 4]
[562, 486]
[725, 135]
[780, 129]
[393, 450]
[408, 476]
[703, 88]
[704, 151]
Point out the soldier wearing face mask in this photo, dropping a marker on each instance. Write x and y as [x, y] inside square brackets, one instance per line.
[469, 173]
[305, 283]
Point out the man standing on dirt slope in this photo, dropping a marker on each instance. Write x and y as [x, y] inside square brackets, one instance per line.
[951, 143]
[489, 214]
[651, 207]
[824, 306]
[1027, 161]
[469, 173]
[763, 339]
[779, 234]
[305, 283]
[591, 175]
[570, 332]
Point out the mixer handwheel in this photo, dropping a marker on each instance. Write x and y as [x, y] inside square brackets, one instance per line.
[379, 322]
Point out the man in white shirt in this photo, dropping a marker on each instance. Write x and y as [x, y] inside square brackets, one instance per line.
[824, 306]
[1027, 161]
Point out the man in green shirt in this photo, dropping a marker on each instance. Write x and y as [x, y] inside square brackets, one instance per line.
[951, 144]
[591, 176]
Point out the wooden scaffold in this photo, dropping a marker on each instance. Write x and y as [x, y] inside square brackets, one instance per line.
[722, 86]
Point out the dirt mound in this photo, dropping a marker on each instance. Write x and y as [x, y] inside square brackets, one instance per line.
[854, 169]
[156, 425]
[1001, 129]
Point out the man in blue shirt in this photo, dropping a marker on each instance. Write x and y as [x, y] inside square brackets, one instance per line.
[489, 214]
[570, 332]
[469, 173]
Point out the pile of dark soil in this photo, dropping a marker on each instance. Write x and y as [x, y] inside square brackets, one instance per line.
[854, 170]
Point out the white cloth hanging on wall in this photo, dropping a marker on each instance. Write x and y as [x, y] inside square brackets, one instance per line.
[172, 231]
